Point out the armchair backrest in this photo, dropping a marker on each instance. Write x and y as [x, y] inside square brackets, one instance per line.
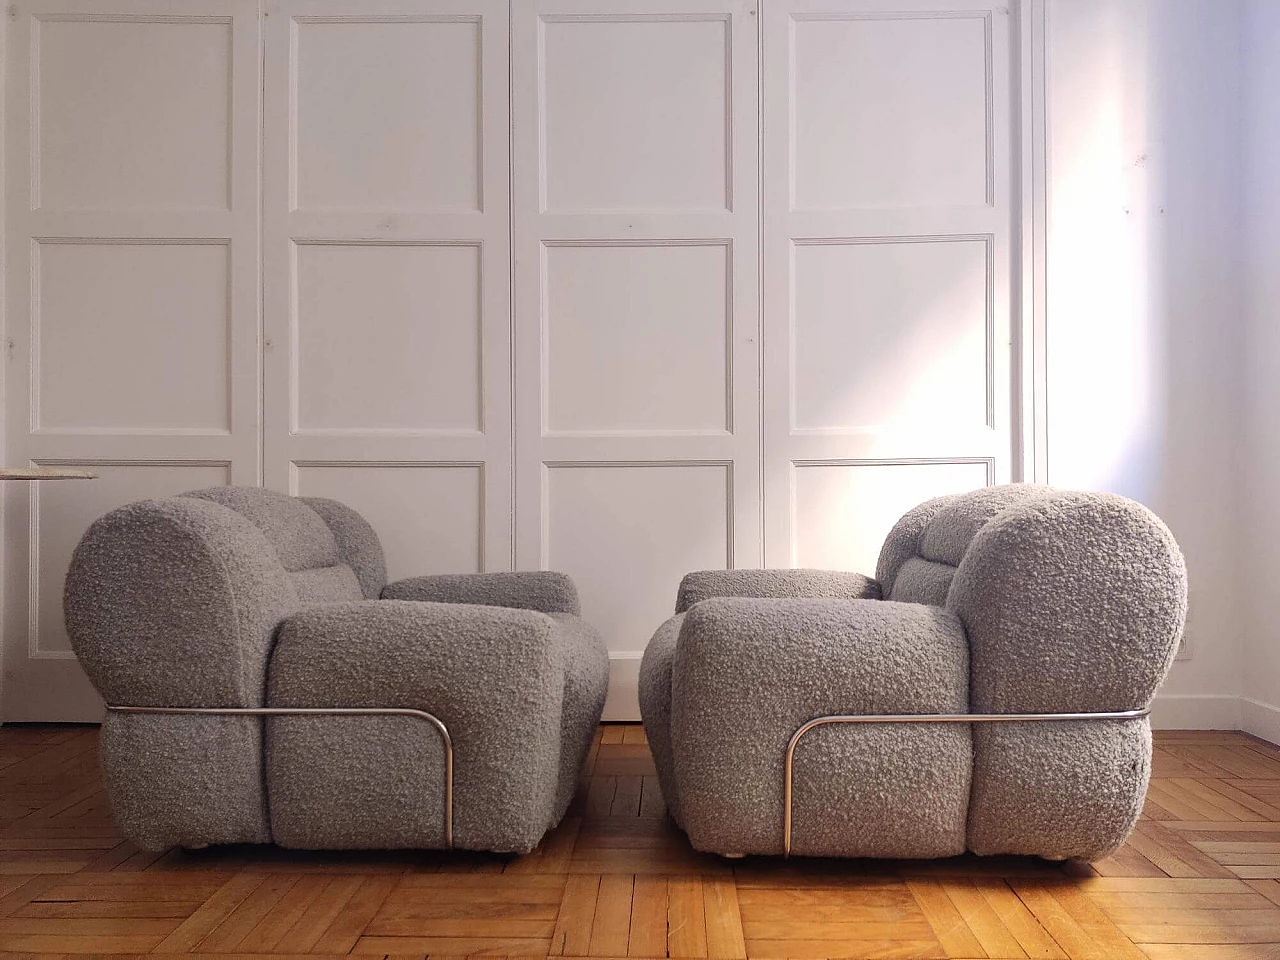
[1070, 601]
[329, 551]
[175, 602]
[923, 550]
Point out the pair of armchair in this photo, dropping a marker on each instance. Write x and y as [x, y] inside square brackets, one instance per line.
[986, 691]
[266, 684]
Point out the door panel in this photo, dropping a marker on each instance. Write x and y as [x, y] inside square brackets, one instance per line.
[387, 272]
[636, 302]
[132, 299]
[887, 232]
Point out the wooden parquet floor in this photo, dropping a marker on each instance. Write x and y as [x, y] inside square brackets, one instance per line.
[1199, 879]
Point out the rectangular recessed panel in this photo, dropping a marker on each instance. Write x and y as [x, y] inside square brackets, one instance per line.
[634, 114]
[430, 517]
[627, 534]
[132, 114]
[889, 112]
[890, 333]
[388, 115]
[65, 508]
[388, 337]
[132, 336]
[636, 337]
[842, 512]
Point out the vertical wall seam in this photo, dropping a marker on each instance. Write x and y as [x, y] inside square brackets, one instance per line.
[512, 395]
[761, 417]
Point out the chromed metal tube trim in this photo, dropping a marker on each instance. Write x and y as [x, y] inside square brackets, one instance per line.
[431, 718]
[924, 718]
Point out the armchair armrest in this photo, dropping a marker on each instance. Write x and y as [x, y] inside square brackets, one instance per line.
[542, 590]
[500, 701]
[748, 673]
[1074, 601]
[174, 603]
[812, 584]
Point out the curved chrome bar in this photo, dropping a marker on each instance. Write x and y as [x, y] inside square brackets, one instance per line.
[435, 721]
[925, 718]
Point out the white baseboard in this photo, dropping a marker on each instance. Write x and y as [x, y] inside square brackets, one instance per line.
[623, 702]
[1196, 711]
[1261, 719]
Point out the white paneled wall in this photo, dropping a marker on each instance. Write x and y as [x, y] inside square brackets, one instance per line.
[623, 288]
[886, 266]
[132, 293]
[636, 226]
[386, 228]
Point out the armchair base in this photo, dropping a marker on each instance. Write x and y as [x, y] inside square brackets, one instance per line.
[921, 718]
[445, 739]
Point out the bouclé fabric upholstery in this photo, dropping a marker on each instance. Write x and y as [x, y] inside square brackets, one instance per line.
[1012, 599]
[777, 584]
[401, 653]
[748, 672]
[245, 598]
[545, 591]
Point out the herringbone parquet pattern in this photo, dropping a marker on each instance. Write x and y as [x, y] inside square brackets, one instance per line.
[1197, 880]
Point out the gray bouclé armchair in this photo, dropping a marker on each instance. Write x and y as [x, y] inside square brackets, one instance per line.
[1011, 600]
[271, 686]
